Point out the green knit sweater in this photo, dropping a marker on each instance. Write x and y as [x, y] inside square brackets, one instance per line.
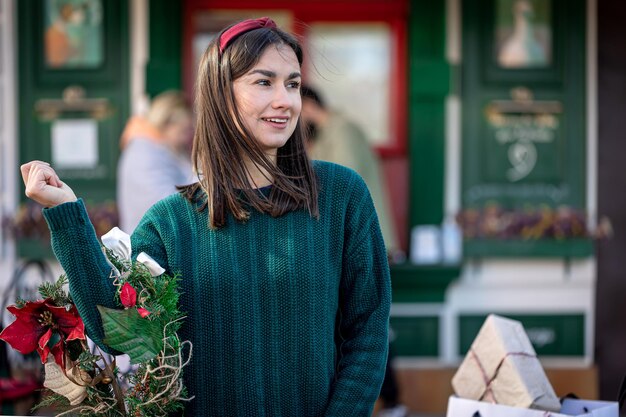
[288, 316]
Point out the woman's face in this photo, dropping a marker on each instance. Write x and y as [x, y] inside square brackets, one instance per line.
[268, 97]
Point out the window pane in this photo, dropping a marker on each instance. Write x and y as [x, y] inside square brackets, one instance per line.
[350, 64]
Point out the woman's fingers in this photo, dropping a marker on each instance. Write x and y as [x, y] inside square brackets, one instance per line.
[38, 177]
[26, 169]
[44, 185]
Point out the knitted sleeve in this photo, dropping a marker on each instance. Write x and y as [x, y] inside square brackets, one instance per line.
[78, 250]
[148, 236]
[365, 300]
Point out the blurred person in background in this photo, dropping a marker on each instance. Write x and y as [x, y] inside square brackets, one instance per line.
[155, 157]
[334, 138]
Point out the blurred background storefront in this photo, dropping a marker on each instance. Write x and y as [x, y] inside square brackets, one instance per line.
[498, 119]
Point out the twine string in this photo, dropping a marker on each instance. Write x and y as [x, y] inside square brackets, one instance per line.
[489, 380]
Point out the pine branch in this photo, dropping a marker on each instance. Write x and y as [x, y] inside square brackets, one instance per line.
[50, 399]
[56, 292]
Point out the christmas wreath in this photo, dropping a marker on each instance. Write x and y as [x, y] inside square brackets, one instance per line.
[145, 327]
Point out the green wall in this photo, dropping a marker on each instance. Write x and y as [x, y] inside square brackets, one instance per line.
[429, 83]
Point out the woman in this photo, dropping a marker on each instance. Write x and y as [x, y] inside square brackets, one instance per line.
[155, 157]
[287, 288]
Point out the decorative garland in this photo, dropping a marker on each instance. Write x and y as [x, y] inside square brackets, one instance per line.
[28, 222]
[145, 327]
[533, 222]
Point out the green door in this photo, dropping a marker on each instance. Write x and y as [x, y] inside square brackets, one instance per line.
[74, 89]
[523, 131]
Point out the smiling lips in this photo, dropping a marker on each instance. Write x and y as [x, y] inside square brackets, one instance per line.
[280, 121]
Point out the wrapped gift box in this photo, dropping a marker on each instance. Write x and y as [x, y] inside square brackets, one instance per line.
[501, 367]
[461, 407]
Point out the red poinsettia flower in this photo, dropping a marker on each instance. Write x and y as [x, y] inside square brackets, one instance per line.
[35, 324]
[128, 295]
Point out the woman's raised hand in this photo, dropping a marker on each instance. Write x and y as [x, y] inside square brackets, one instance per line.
[44, 186]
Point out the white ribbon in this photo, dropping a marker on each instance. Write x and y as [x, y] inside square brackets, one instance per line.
[118, 242]
[152, 265]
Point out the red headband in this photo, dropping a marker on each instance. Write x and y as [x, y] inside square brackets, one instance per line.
[242, 27]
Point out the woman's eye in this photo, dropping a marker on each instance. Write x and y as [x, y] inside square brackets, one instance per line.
[294, 84]
[263, 82]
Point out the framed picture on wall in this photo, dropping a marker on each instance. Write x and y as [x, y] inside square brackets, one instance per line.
[73, 34]
[523, 34]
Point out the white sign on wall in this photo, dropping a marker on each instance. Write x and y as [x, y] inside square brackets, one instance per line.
[75, 143]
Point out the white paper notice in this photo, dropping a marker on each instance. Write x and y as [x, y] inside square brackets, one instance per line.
[75, 143]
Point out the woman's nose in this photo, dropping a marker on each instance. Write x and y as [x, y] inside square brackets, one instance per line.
[282, 97]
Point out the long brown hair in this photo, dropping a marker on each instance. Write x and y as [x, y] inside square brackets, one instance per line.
[222, 143]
